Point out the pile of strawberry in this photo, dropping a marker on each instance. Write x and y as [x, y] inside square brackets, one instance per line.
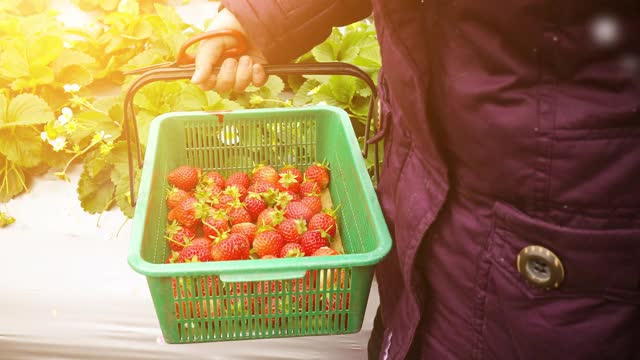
[262, 215]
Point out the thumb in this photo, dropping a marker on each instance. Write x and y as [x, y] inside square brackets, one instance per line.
[208, 55]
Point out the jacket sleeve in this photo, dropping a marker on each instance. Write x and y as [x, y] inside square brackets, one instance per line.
[286, 29]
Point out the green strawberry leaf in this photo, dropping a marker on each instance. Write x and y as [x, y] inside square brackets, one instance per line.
[25, 109]
[146, 58]
[44, 50]
[215, 102]
[325, 94]
[274, 85]
[13, 62]
[75, 74]
[325, 52]
[91, 121]
[95, 193]
[359, 105]
[123, 193]
[69, 57]
[12, 180]
[21, 145]
[304, 95]
[343, 88]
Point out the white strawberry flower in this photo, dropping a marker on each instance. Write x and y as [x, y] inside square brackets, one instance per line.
[71, 88]
[67, 114]
[58, 143]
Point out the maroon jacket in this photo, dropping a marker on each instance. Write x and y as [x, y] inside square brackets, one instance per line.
[512, 123]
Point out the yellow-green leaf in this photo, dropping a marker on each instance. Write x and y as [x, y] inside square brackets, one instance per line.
[44, 50]
[70, 57]
[21, 145]
[26, 109]
[40, 75]
[90, 122]
[75, 74]
[12, 180]
[95, 193]
[13, 63]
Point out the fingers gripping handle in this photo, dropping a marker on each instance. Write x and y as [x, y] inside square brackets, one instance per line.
[181, 73]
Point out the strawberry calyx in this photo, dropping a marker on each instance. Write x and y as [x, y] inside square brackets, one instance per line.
[282, 199]
[288, 179]
[221, 237]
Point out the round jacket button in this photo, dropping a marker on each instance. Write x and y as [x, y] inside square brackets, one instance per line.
[540, 267]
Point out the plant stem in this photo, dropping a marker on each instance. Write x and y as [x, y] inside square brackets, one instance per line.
[121, 226]
[77, 155]
[24, 186]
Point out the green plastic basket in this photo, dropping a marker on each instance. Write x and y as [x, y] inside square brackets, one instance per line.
[252, 299]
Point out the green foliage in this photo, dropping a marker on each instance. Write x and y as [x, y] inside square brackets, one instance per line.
[54, 110]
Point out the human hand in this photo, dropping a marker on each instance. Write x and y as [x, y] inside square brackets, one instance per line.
[234, 74]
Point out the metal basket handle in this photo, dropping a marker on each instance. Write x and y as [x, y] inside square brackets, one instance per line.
[186, 72]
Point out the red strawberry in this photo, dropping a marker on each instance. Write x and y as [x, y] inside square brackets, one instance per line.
[190, 211]
[247, 229]
[324, 221]
[200, 241]
[294, 196]
[175, 196]
[319, 173]
[261, 187]
[313, 240]
[223, 201]
[270, 217]
[288, 181]
[171, 215]
[293, 170]
[178, 235]
[325, 251]
[268, 242]
[265, 173]
[268, 257]
[184, 177]
[298, 210]
[215, 224]
[309, 187]
[215, 178]
[235, 247]
[292, 230]
[238, 214]
[255, 205]
[291, 250]
[239, 178]
[198, 250]
[313, 202]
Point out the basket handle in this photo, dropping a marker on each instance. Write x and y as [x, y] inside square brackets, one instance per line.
[186, 72]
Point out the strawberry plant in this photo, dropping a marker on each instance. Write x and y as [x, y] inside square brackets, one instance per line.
[58, 110]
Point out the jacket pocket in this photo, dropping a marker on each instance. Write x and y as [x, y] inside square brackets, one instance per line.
[593, 314]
